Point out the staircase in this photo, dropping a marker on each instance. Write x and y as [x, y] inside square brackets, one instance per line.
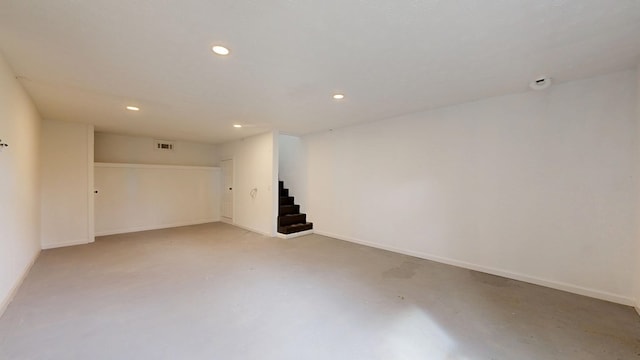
[290, 220]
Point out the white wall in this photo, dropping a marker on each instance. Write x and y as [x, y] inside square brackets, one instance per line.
[292, 167]
[255, 167]
[112, 148]
[536, 186]
[19, 184]
[66, 152]
[133, 197]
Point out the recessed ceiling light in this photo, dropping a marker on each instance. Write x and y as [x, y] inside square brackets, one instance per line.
[133, 108]
[338, 96]
[237, 126]
[220, 50]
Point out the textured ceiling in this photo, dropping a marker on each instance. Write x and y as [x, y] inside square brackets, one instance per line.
[85, 60]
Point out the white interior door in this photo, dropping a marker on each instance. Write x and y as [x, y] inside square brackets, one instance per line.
[227, 189]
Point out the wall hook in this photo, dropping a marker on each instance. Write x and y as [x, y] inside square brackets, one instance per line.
[3, 145]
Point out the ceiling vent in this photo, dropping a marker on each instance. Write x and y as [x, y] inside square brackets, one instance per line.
[540, 83]
[164, 145]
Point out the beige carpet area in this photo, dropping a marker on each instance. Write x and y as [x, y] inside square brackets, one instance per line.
[215, 291]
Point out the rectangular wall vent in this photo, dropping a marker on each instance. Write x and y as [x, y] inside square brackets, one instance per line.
[164, 145]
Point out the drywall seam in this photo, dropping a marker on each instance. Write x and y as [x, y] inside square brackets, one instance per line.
[66, 243]
[14, 289]
[151, 166]
[602, 295]
[156, 227]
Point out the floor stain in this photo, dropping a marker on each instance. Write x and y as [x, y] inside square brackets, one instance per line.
[405, 271]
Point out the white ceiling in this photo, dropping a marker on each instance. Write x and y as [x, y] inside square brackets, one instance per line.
[85, 60]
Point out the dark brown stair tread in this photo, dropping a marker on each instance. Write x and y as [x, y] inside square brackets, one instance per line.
[294, 228]
[288, 209]
[288, 219]
[286, 200]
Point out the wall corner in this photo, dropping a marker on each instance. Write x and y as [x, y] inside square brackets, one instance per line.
[275, 195]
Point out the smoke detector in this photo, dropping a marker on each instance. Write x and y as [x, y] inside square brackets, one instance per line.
[540, 83]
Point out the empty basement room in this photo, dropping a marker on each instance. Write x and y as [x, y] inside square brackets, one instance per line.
[320, 179]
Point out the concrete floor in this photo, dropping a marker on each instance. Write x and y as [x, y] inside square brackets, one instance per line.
[215, 291]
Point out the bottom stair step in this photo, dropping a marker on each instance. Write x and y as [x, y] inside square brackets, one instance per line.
[294, 228]
[289, 219]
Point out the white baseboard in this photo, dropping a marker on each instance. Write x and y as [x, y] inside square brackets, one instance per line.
[68, 243]
[154, 227]
[230, 221]
[249, 229]
[4, 304]
[602, 295]
[294, 235]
